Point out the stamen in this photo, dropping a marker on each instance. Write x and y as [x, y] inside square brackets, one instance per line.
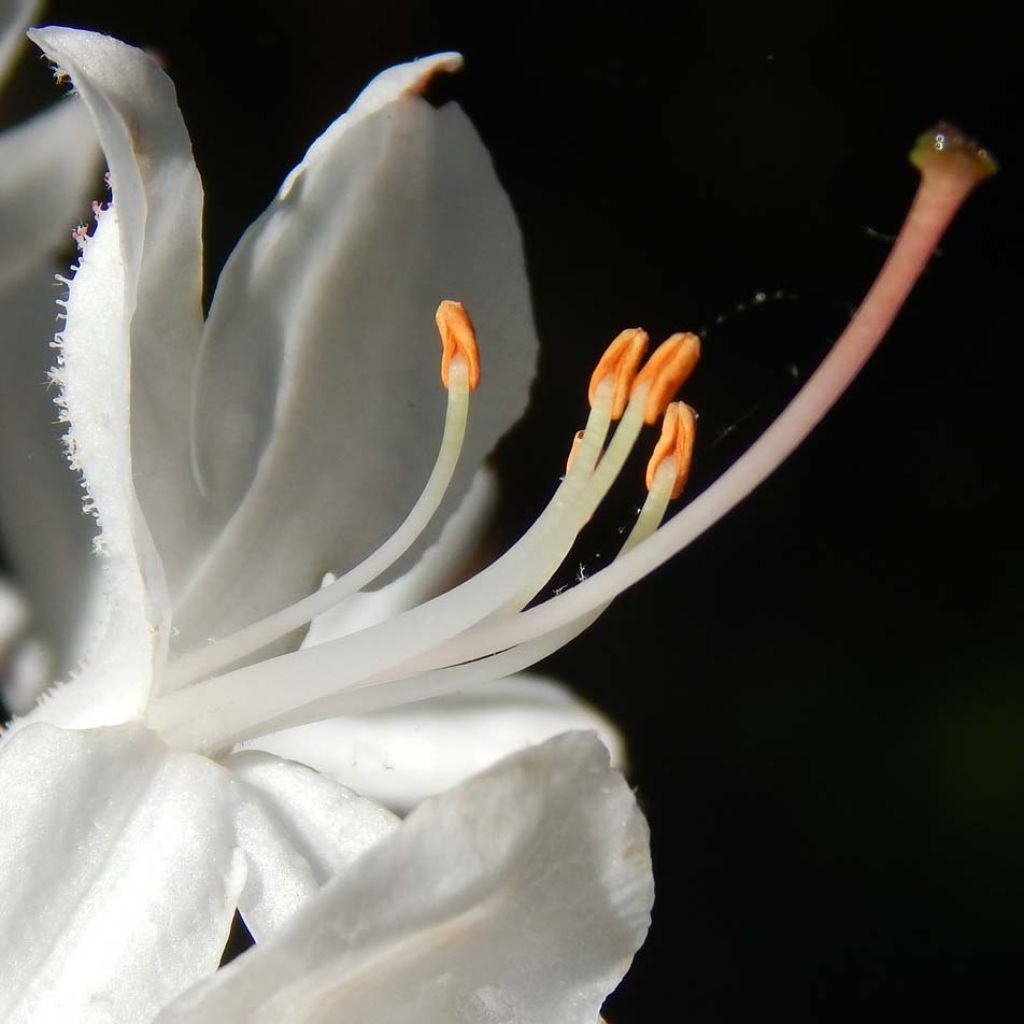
[675, 446]
[458, 338]
[620, 361]
[475, 647]
[601, 475]
[664, 373]
[468, 659]
[459, 377]
[239, 701]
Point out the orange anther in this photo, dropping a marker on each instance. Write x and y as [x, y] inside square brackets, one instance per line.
[621, 359]
[457, 339]
[670, 364]
[576, 442]
[678, 432]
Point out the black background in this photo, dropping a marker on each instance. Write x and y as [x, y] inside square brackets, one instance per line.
[822, 696]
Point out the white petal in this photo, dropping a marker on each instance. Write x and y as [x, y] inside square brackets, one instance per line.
[159, 198]
[47, 170]
[453, 558]
[297, 829]
[15, 17]
[47, 537]
[93, 376]
[401, 755]
[326, 309]
[120, 874]
[520, 896]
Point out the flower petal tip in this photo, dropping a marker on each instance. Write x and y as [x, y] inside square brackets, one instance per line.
[410, 79]
[448, 63]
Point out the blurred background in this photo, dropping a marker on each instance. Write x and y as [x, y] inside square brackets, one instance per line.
[822, 696]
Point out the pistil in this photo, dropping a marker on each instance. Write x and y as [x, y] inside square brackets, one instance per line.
[478, 631]
[951, 166]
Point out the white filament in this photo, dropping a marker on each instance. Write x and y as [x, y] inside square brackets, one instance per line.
[213, 713]
[450, 668]
[206, 660]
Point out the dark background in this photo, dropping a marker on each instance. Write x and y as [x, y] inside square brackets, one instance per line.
[822, 696]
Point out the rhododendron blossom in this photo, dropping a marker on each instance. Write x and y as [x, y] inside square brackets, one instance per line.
[251, 477]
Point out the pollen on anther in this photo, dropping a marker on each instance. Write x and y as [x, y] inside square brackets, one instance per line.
[664, 373]
[678, 433]
[621, 359]
[458, 339]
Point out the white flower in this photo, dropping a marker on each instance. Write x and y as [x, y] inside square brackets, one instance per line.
[524, 892]
[296, 309]
[132, 830]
